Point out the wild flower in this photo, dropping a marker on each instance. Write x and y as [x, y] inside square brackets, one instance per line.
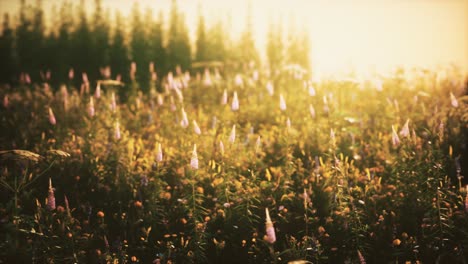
[270, 236]
[312, 111]
[159, 154]
[405, 132]
[71, 74]
[50, 197]
[113, 104]
[91, 110]
[97, 94]
[232, 136]
[52, 120]
[196, 128]
[282, 103]
[270, 88]
[235, 103]
[238, 80]
[311, 90]
[6, 102]
[117, 135]
[224, 98]
[194, 159]
[288, 123]
[395, 138]
[221, 147]
[184, 122]
[453, 100]
[160, 99]
[258, 145]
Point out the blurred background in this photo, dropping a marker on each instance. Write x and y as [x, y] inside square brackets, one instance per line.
[327, 37]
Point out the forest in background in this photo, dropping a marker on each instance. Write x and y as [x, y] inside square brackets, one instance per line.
[103, 44]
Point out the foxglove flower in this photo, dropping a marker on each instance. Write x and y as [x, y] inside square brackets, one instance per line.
[196, 128]
[232, 136]
[91, 110]
[405, 130]
[395, 138]
[117, 130]
[51, 197]
[235, 103]
[159, 154]
[194, 160]
[270, 88]
[184, 122]
[453, 100]
[224, 99]
[282, 103]
[270, 236]
[52, 120]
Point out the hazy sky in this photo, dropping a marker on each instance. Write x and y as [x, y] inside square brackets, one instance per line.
[365, 35]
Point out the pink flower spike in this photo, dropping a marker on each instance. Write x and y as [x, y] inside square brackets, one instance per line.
[52, 120]
[194, 160]
[235, 103]
[51, 197]
[270, 236]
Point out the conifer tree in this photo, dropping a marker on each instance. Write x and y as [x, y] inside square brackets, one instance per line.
[82, 43]
[100, 39]
[119, 55]
[156, 45]
[201, 44]
[7, 60]
[178, 47]
[275, 46]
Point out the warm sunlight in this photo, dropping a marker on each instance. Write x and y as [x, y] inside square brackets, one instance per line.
[361, 35]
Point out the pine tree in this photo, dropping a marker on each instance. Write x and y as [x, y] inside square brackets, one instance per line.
[178, 48]
[7, 59]
[37, 35]
[63, 51]
[202, 42]
[247, 50]
[101, 39]
[156, 45]
[275, 46]
[24, 38]
[216, 42]
[139, 45]
[82, 43]
[119, 54]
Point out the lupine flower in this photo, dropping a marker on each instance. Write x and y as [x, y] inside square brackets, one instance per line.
[224, 99]
[98, 90]
[258, 145]
[405, 130]
[332, 136]
[27, 78]
[91, 111]
[118, 77]
[71, 74]
[51, 197]
[159, 154]
[52, 120]
[235, 103]
[378, 85]
[48, 74]
[194, 160]
[453, 100]
[196, 128]
[238, 80]
[67, 206]
[255, 75]
[207, 78]
[288, 123]
[184, 122]
[221, 147]
[117, 130]
[312, 111]
[362, 260]
[113, 103]
[160, 99]
[151, 67]
[6, 102]
[311, 90]
[232, 136]
[270, 236]
[466, 199]
[395, 138]
[270, 88]
[282, 103]
[84, 77]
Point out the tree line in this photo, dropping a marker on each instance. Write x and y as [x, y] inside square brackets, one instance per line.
[103, 45]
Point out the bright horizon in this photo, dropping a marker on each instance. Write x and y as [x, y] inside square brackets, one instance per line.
[361, 35]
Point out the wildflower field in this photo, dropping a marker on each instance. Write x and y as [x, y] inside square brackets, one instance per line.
[236, 166]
